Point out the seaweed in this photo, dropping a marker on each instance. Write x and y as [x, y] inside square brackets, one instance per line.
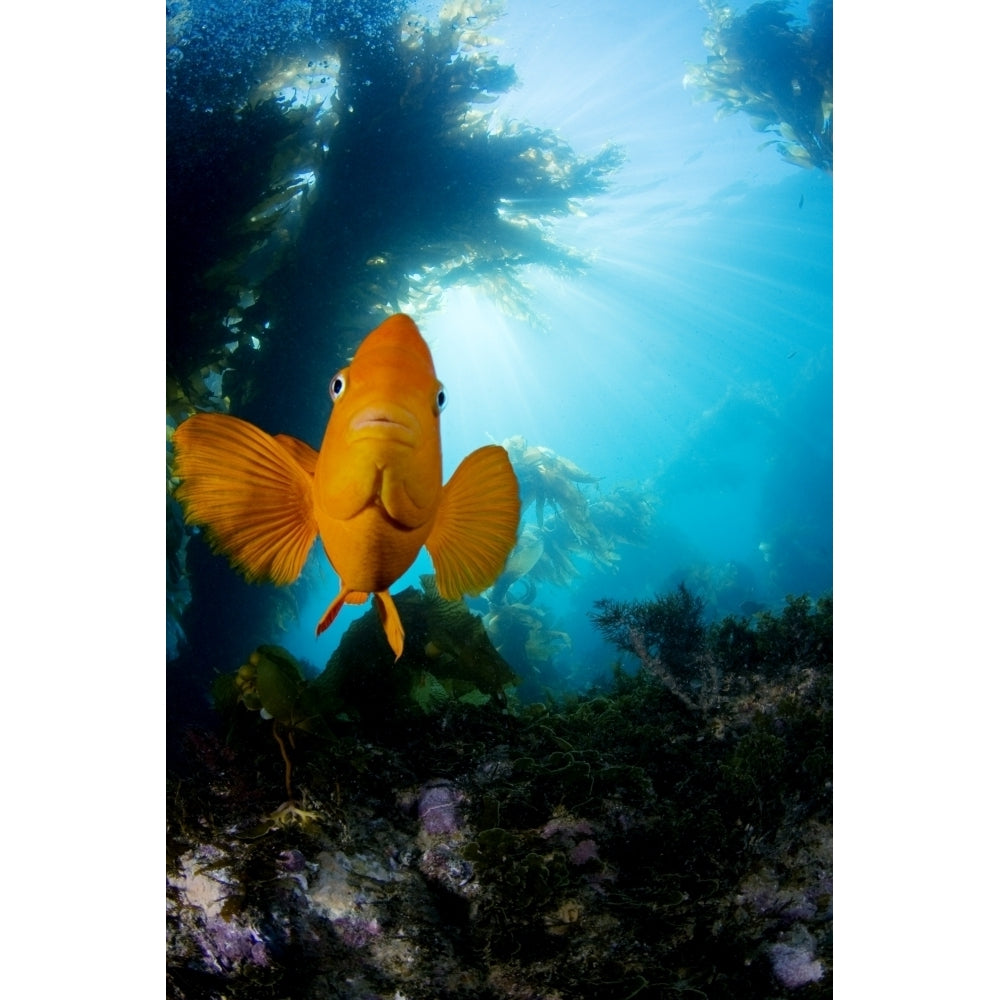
[296, 215]
[777, 72]
[666, 634]
[621, 842]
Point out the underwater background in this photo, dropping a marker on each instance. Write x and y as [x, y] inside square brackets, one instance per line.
[681, 896]
[613, 224]
[654, 304]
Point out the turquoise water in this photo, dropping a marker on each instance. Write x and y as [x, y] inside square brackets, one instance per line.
[687, 360]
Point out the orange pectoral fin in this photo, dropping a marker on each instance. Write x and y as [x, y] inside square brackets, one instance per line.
[250, 492]
[303, 453]
[476, 523]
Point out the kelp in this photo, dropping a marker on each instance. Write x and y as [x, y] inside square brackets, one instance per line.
[447, 658]
[376, 162]
[777, 72]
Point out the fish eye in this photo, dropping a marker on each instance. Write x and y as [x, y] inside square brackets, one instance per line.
[337, 385]
[440, 400]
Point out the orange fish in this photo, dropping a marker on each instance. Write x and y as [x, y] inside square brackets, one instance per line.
[373, 492]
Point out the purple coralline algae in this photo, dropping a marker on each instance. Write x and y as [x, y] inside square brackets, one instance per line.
[574, 835]
[583, 852]
[356, 931]
[215, 944]
[291, 861]
[229, 946]
[795, 965]
[437, 808]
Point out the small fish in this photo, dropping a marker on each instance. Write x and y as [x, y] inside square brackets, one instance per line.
[802, 200]
[373, 492]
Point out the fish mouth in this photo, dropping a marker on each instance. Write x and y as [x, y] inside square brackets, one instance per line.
[385, 421]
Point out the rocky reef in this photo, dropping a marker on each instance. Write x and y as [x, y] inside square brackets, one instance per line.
[668, 834]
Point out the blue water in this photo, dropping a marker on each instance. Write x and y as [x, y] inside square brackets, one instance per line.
[692, 359]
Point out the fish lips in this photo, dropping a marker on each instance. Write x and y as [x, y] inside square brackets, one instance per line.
[386, 422]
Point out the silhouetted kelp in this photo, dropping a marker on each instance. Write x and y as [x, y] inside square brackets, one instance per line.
[777, 72]
[351, 176]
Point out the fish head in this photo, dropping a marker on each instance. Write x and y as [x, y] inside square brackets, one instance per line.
[384, 430]
[390, 391]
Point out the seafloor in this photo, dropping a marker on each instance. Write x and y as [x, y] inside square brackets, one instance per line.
[418, 831]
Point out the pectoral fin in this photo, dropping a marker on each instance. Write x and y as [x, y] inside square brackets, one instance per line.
[303, 453]
[476, 523]
[250, 492]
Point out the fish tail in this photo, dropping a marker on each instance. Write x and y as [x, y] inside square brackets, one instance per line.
[250, 492]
